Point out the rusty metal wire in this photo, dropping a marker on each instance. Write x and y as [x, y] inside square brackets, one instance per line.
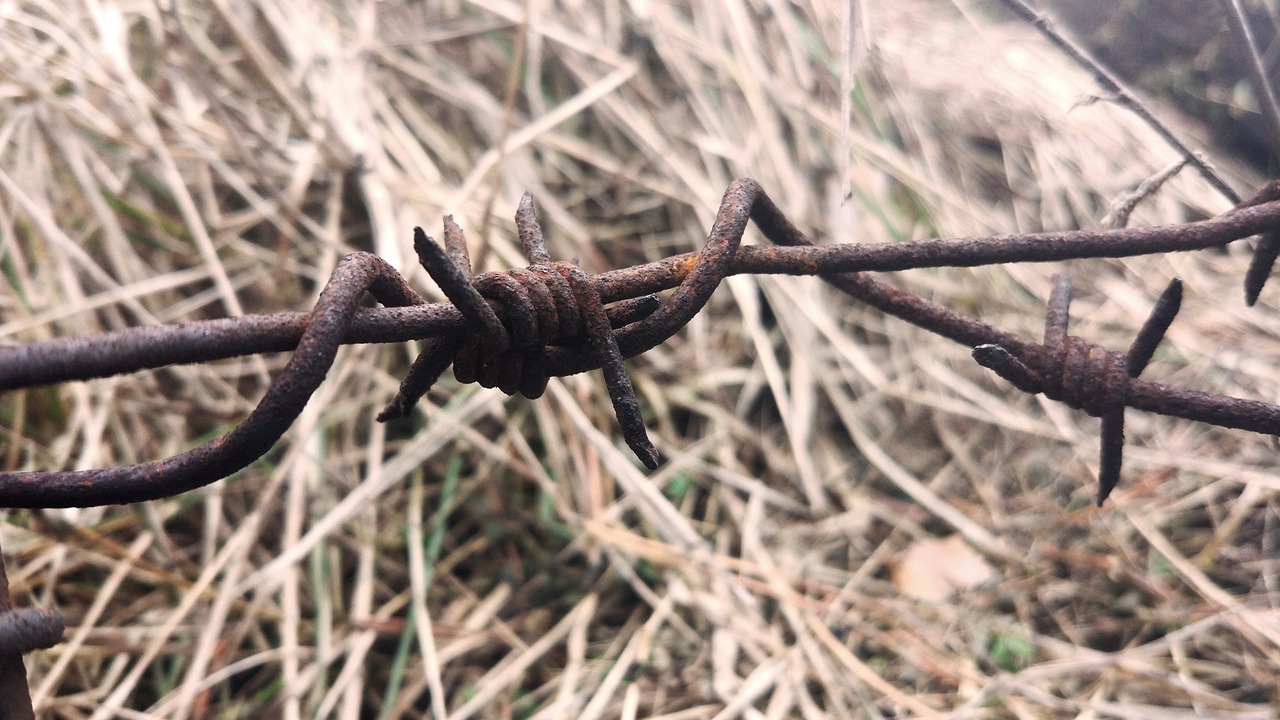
[516, 329]
[21, 631]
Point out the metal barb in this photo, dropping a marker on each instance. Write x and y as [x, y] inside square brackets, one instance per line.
[1086, 376]
[1153, 330]
[997, 359]
[547, 305]
[530, 232]
[1267, 249]
[454, 281]
[21, 631]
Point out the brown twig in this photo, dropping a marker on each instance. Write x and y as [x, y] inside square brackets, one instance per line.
[1121, 94]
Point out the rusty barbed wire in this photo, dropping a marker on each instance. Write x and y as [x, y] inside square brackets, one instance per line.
[515, 329]
[21, 631]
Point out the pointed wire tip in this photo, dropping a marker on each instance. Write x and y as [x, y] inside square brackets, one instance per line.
[535, 245]
[428, 250]
[1104, 492]
[647, 453]
[1000, 361]
[1151, 334]
[421, 238]
[991, 356]
[1170, 301]
[1264, 257]
[393, 411]
[633, 310]
[1111, 455]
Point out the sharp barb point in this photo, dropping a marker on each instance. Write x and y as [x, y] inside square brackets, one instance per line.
[1153, 329]
[1260, 266]
[1003, 363]
[1110, 454]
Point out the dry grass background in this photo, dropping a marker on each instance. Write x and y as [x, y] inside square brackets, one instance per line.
[497, 557]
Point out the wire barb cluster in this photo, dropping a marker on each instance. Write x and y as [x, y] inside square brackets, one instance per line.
[548, 304]
[1084, 375]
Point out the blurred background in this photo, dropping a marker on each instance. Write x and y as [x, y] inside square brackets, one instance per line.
[854, 520]
[1185, 54]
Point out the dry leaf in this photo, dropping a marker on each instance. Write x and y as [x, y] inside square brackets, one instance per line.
[931, 569]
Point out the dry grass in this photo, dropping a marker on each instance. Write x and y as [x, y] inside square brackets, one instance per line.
[507, 558]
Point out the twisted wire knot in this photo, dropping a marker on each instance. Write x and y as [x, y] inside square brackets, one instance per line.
[548, 319]
[1086, 376]
[538, 308]
[517, 318]
[541, 307]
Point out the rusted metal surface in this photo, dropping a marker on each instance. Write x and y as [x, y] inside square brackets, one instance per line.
[548, 304]
[21, 631]
[1086, 376]
[214, 460]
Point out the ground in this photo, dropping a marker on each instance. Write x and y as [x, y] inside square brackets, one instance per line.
[500, 557]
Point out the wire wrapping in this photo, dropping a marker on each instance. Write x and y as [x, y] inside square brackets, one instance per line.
[1084, 375]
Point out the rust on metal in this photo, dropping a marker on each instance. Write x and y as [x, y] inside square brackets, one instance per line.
[21, 631]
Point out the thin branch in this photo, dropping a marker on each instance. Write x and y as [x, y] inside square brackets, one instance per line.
[1262, 88]
[1115, 87]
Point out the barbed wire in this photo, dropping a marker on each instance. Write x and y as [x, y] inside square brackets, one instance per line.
[517, 328]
